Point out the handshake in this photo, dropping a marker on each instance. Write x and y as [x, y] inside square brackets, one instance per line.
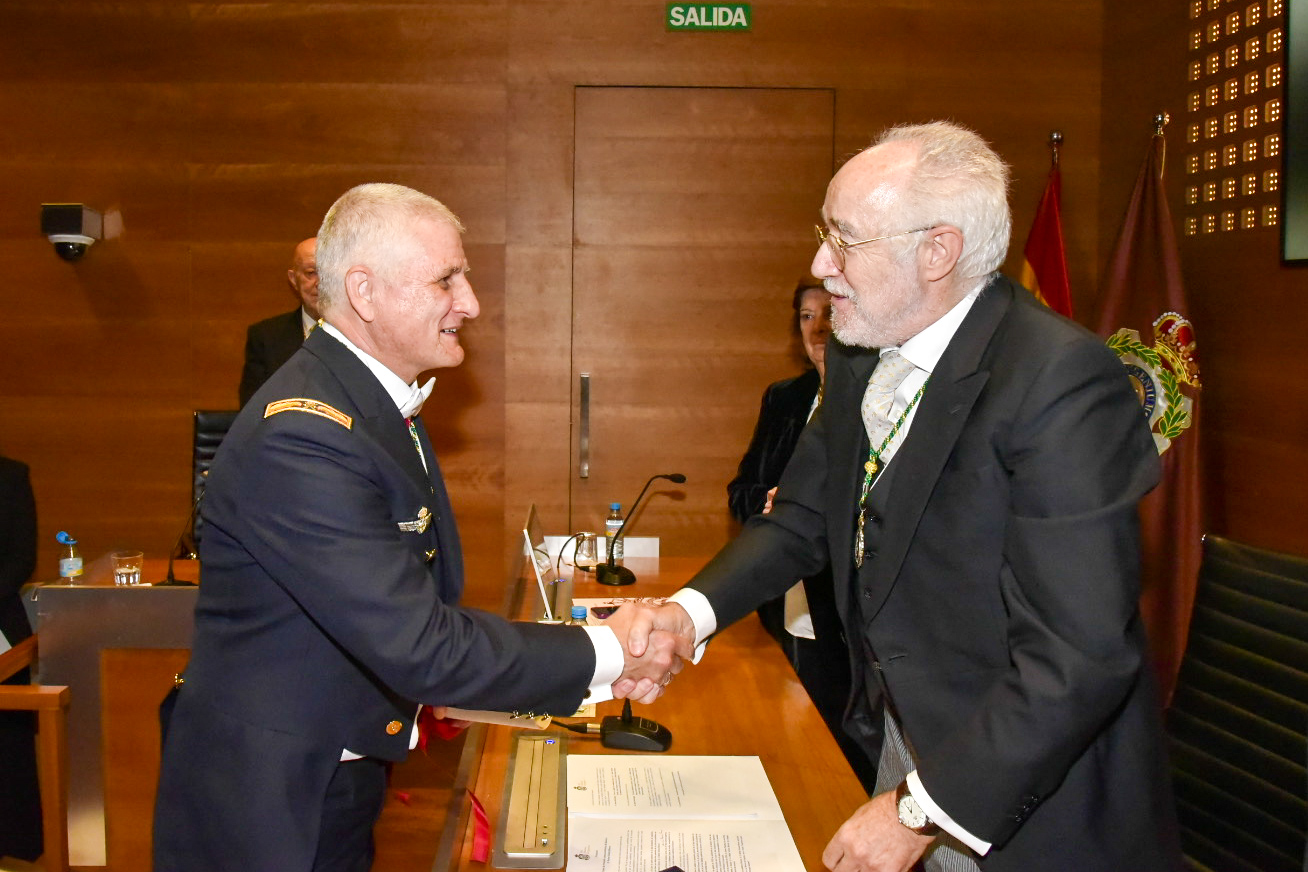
[656, 639]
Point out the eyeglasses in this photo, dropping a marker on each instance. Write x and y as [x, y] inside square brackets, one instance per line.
[839, 245]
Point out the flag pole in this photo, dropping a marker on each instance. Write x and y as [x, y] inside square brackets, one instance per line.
[1055, 140]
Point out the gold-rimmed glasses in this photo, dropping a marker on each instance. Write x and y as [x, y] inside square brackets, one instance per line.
[839, 245]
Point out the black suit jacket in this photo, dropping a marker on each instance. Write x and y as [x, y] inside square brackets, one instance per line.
[18, 552]
[325, 615]
[20, 798]
[268, 344]
[781, 418]
[999, 601]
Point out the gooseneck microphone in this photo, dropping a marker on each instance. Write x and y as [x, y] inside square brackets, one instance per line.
[185, 547]
[609, 572]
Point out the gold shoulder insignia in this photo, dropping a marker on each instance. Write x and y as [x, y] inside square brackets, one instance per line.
[313, 407]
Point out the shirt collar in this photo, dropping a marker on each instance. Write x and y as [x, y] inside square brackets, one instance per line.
[307, 322]
[408, 398]
[925, 349]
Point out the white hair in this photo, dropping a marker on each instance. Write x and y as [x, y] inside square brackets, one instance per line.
[958, 180]
[366, 226]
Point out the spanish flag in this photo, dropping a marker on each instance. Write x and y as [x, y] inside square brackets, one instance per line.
[1044, 260]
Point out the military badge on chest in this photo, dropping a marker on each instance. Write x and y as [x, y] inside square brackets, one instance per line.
[418, 524]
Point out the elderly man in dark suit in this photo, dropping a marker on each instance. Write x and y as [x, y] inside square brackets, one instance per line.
[972, 478]
[272, 341]
[331, 573]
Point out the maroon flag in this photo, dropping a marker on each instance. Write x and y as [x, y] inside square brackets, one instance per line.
[1044, 260]
[1142, 295]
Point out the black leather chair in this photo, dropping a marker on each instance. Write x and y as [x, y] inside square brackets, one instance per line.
[210, 428]
[1238, 718]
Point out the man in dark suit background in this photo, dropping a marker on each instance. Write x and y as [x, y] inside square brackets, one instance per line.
[332, 569]
[972, 478]
[20, 798]
[271, 342]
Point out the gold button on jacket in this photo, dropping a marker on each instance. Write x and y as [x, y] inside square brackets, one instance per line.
[393, 727]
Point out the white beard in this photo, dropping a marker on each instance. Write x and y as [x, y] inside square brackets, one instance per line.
[878, 323]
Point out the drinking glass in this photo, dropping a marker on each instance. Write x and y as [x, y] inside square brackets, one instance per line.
[127, 567]
[585, 556]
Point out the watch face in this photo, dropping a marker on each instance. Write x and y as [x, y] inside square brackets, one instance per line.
[911, 814]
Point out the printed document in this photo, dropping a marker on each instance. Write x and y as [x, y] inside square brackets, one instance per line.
[629, 813]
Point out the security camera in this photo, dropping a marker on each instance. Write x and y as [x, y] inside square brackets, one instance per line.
[71, 228]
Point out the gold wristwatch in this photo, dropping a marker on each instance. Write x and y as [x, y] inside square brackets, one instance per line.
[911, 814]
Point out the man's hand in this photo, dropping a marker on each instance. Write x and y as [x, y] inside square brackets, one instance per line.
[656, 638]
[873, 840]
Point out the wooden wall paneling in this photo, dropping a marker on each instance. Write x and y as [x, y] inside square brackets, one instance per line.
[465, 418]
[538, 288]
[74, 42]
[221, 131]
[393, 42]
[689, 205]
[458, 123]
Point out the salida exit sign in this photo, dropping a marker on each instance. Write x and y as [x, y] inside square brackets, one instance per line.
[709, 16]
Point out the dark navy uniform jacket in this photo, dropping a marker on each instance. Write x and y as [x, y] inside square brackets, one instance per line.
[327, 612]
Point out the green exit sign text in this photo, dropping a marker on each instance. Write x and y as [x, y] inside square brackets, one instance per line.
[709, 16]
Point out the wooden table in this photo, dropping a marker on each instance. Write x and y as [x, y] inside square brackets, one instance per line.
[742, 699]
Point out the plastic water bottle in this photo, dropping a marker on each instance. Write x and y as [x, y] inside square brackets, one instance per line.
[612, 524]
[70, 559]
[578, 616]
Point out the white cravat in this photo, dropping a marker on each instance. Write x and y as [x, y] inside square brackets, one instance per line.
[418, 395]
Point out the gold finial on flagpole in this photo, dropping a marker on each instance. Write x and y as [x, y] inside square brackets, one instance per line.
[1160, 121]
[1055, 140]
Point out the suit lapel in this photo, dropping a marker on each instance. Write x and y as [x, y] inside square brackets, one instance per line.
[848, 449]
[956, 383]
[379, 417]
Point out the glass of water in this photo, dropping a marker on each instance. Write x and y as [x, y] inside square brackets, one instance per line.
[585, 556]
[127, 567]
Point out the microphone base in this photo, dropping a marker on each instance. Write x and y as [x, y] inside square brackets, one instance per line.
[173, 582]
[614, 575]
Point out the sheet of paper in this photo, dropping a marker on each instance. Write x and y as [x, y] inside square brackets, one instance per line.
[670, 787]
[614, 845]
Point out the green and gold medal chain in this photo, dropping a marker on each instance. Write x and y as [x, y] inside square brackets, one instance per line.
[871, 468]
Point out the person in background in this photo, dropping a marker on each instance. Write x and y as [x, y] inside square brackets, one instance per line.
[331, 574]
[272, 341]
[804, 620]
[973, 478]
[20, 797]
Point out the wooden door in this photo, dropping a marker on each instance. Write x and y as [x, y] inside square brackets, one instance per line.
[693, 214]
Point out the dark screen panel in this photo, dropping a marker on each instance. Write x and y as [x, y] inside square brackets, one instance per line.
[1294, 236]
